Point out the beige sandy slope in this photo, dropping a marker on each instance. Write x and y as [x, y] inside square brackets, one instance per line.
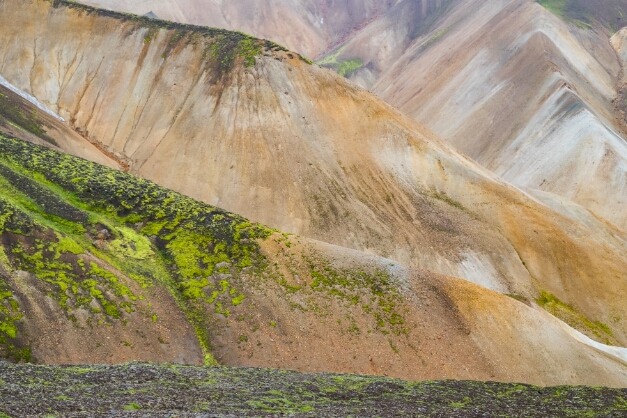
[506, 81]
[306, 26]
[65, 138]
[527, 95]
[301, 149]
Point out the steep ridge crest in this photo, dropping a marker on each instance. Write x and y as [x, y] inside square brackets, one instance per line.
[308, 26]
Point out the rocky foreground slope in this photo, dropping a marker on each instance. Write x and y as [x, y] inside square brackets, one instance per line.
[143, 390]
[247, 126]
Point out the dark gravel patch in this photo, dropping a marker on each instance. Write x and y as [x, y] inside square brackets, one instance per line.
[145, 390]
[49, 201]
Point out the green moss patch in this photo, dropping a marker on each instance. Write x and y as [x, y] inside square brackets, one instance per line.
[347, 68]
[311, 282]
[156, 390]
[60, 213]
[374, 292]
[9, 315]
[593, 329]
[585, 13]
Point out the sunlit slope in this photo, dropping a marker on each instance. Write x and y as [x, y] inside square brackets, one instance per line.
[528, 95]
[507, 82]
[101, 267]
[206, 113]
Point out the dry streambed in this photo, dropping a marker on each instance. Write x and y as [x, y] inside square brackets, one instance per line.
[142, 389]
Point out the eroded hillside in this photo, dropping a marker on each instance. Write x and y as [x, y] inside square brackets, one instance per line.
[453, 65]
[101, 267]
[242, 124]
[535, 94]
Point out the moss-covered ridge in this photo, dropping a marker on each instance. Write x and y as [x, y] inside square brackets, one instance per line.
[176, 390]
[99, 240]
[73, 224]
[610, 13]
[228, 46]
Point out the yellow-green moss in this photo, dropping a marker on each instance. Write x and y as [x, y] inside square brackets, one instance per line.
[150, 234]
[575, 319]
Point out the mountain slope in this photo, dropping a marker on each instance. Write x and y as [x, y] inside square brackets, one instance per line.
[375, 48]
[609, 13]
[528, 95]
[421, 25]
[308, 26]
[420, 56]
[206, 113]
[101, 267]
[21, 118]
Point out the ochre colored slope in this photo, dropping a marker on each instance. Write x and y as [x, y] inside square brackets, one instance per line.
[299, 148]
[98, 266]
[507, 82]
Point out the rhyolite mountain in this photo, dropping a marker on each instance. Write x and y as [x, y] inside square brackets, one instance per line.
[245, 125]
[532, 91]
